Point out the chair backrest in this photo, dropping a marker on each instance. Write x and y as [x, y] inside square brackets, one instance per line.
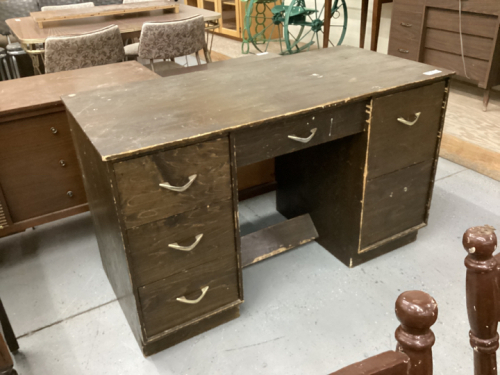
[104, 46]
[483, 296]
[167, 40]
[69, 6]
[417, 311]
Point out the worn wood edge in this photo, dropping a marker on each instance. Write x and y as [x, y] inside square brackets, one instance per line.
[369, 110]
[392, 238]
[20, 226]
[469, 155]
[236, 215]
[170, 331]
[23, 112]
[223, 132]
[311, 235]
[378, 364]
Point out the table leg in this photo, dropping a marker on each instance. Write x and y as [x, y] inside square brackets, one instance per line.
[364, 16]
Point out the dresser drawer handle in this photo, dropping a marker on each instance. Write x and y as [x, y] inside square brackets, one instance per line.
[406, 24]
[303, 140]
[194, 301]
[403, 50]
[410, 123]
[166, 185]
[176, 246]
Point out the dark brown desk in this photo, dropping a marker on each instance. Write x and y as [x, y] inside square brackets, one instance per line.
[355, 135]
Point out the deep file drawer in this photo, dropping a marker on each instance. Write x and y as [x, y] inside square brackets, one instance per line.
[181, 242]
[192, 176]
[395, 202]
[161, 308]
[404, 129]
[300, 132]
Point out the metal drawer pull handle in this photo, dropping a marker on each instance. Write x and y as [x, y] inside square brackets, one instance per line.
[406, 24]
[304, 140]
[410, 123]
[403, 50]
[176, 246]
[194, 301]
[166, 185]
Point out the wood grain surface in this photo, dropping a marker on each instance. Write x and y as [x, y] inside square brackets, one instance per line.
[121, 124]
[388, 363]
[142, 200]
[151, 257]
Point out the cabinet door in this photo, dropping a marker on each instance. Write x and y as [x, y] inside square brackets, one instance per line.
[230, 11]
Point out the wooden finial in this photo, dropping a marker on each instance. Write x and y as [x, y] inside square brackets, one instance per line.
[417, 311]
[481, 290]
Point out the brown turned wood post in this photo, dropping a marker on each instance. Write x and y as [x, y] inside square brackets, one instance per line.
[480, 243]
[417, 311]
[6, 364]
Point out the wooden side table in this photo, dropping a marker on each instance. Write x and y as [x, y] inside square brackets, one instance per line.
[377, 11]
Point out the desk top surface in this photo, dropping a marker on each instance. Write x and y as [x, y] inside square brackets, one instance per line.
[131, 119]
[27, 30]
[37, 92]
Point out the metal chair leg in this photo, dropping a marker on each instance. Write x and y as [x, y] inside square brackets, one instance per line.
[7, 330]
[7, 69]
[197, 54]
[15, 67]
[208, 55]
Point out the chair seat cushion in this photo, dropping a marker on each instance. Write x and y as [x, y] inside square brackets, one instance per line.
[132, 49]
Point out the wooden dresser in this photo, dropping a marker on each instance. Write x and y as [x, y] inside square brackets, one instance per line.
[40, 180]
[429, 31]
[355, 135]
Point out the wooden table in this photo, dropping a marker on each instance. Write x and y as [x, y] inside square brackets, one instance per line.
[29, 34]
[40, 180]
[355, 135]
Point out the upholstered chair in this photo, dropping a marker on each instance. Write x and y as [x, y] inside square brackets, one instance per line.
[100, 47]
[69, 6]
[167, 40]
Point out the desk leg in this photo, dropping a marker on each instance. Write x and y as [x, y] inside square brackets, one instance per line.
[326, 181]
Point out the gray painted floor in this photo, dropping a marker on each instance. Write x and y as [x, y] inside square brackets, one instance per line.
[304, 312]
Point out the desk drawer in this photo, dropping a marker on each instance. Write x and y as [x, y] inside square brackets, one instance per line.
[153, 259]
[161, 309]
[394, 145]
[406, 29]
[273, 139]
[395, 202]
[142, 200]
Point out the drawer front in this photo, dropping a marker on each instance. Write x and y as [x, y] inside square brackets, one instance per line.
[39, 167]
[406, 30]
[152, 257]
[277, 138]
[395, 202]
[473, 6]
[394, 145]
[143, 200]
[476, 69]
[449, 41]
[472, 23]
[161, 309]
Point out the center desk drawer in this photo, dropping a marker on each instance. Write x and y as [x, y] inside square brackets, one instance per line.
[162, 302]
[191, 176]
[295, 133]
[404, 129]
[182, 241]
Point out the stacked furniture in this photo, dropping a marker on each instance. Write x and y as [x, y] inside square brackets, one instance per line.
[434, 31]
[355, 168]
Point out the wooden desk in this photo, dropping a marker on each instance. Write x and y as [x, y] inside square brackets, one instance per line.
[429, 31]
[40, 180]
[355, 134]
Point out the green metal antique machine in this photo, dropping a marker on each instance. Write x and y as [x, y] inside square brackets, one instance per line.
[295, 25]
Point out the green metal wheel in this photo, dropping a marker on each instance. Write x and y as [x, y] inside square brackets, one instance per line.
[303, 26]
[261, 25]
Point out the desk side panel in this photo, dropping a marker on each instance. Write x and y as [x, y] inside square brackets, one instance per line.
[97, 177]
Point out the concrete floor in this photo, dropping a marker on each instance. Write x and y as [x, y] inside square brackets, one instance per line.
[304, 312]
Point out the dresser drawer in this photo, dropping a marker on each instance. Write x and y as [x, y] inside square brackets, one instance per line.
[202, 170]
[406, 27]
[210, 229]
[473, 6]
[161, 309]
[449, 41]
[282, 137]
[472, 23]
[395, 202]
[394, 145]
